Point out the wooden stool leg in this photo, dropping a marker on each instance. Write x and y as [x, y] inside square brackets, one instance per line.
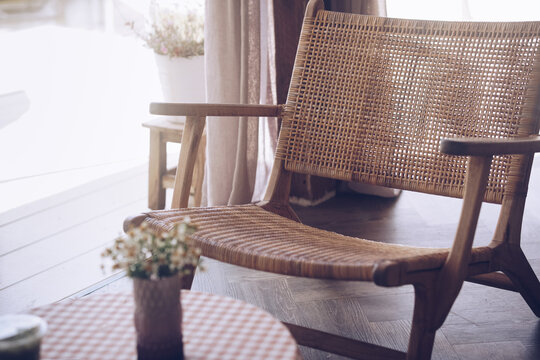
[156, 169]
[198, 175]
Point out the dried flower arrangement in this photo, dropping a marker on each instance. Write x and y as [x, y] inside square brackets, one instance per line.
[145, 254]
[173, 32]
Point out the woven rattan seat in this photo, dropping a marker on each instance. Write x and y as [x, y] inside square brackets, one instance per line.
[444, 108]
[252, 237]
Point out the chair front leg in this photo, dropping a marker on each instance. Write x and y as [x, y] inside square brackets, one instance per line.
[454, 271]
[191, 139]
[424, 324]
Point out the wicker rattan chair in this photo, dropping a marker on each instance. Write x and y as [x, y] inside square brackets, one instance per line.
[438, 107]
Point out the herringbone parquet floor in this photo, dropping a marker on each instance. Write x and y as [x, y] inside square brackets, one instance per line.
[485, 323]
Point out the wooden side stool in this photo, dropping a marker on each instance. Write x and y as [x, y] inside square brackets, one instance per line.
[160, 178]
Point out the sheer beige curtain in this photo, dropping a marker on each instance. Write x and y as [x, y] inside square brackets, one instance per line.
[249, 50]
[236, 44]
[366, 7]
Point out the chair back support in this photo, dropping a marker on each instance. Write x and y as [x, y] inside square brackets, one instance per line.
[371, 98]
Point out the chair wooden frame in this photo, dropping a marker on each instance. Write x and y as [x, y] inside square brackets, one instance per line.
[503, 264]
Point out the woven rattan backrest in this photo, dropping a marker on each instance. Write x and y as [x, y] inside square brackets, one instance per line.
[371, 98]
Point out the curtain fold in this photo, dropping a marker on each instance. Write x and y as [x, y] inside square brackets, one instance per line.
[250, 46]
[366, 7]
[233, 44]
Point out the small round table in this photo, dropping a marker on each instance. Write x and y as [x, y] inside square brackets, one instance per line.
[213, 327]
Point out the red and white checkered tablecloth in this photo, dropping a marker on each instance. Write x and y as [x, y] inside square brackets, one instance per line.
[214, 327]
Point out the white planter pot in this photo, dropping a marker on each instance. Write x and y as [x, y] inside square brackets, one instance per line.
[182, 80]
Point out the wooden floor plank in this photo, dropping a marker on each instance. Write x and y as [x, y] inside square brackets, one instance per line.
[64, 246]
[315, 289]
[45, 203]
[256, 292]
[54, 284]
[58, 242]
[79, 206]
[504, 350]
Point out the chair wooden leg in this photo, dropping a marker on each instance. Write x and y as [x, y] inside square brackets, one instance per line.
[423, 324]
[341, 345]
[517, 268]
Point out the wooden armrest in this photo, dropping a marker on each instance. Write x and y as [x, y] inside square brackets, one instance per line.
[482, 146]
[192, 133]
[178, 109]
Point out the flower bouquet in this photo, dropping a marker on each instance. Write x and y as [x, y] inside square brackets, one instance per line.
[157, 261]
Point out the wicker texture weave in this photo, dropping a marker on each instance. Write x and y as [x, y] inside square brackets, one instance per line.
[249, 236]
[371, 98]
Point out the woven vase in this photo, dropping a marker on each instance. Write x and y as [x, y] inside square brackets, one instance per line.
[158, 318]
